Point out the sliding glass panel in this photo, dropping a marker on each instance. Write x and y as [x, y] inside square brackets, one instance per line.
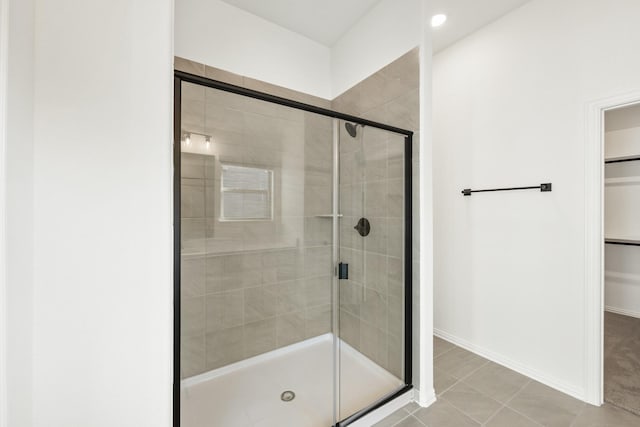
[371, 317]
[256, 257]
[292, 263]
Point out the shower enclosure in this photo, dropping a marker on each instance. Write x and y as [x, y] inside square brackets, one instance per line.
[292, 260]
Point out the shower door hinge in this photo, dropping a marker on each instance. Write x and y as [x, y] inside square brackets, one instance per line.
[343, 270]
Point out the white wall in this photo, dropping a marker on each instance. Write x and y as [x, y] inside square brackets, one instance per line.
[386, 32]
[423, 297]
[510, 104]
[18, 170]
[220, 35]
[621, 143]
[103, 227]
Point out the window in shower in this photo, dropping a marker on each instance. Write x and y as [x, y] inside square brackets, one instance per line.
[246, 193]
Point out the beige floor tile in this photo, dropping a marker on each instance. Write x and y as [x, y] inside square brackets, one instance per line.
[393, 419]
[411, 407]
[410, 421]
[546, 405]
[508, 418]
[441, 346]
[443, 414]
[442, 381]
[459, 362]
[606, 416]
[497, 382]
[529, 403]
[470, 401]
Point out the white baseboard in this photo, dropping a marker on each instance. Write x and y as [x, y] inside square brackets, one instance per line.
[622, 311]
[425, 399]
[513, 365]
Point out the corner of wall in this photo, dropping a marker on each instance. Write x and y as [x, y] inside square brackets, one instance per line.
[426, 207]
[389, 30]
[16, 216]
[4, 20]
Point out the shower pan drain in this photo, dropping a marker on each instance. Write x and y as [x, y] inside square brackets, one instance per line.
[287, 396]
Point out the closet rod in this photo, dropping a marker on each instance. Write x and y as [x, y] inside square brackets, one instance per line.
[627, 159]
[622, 242]
[542, 187]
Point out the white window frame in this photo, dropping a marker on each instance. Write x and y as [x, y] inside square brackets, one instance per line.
[268, 192]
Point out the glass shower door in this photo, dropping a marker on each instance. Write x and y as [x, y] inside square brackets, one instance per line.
[291, 263]
[256, 241]
[370, 332]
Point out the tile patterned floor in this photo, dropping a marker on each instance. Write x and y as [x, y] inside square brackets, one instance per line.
[473, 391]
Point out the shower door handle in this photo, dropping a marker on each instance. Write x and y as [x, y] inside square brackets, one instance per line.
[343, 271]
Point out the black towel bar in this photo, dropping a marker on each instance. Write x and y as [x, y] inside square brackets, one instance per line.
[543, 187]
[623, 159]
[622, 242]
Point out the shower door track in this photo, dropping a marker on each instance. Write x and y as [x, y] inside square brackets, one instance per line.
[179, 78]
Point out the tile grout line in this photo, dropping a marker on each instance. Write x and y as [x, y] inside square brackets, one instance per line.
[501, 405]
[442, 354]
[455, 408]
[453, 346]
[494, 414]
[403, 418]
[409, 414]
[480, 423]
[458, 380]
[506, 404]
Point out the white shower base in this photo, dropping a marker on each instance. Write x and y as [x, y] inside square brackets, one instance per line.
[247, 393]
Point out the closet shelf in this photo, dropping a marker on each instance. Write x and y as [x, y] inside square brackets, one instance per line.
[622, 159]
[623, 242]
[622, 181]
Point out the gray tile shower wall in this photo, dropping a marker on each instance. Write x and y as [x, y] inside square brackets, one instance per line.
[371, 305]
[249, 287]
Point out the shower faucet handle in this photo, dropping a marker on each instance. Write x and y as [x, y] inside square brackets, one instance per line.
[363, 227]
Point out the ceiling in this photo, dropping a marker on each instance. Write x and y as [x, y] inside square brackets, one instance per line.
[326, 21]
[466, 16]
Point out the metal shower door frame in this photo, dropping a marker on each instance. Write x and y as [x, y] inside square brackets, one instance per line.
[179, 78]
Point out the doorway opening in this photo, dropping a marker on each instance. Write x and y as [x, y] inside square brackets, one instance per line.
[621, 191]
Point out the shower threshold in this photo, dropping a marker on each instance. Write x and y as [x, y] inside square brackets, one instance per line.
[248, 393]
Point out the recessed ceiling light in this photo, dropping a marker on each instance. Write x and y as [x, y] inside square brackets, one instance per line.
[438, 20]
